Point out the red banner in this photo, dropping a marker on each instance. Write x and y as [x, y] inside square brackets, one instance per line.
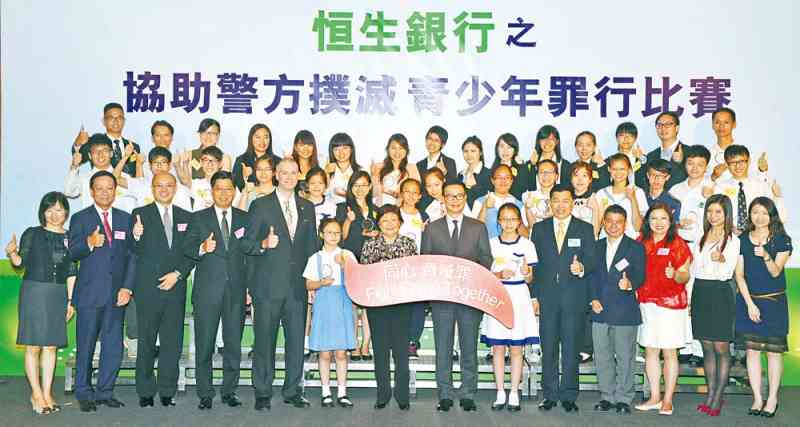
[429, 278]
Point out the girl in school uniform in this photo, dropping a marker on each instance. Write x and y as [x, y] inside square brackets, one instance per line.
[622, 192]
[324, 205]
[332, 329]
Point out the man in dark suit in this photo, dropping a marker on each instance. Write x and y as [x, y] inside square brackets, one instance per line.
[463, 237]
[671, 149]
[114, 121]
[99, 237]
[215, 243]
[281, 236]
[565, 247]
[435, 140]
[159, 232]
[615, 311]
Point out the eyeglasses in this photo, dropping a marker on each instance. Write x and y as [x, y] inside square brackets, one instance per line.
[657, 176]
[510, 220]
[163, 186]
[736, 163]
[331, 233]
[452, 197]
[211, 133]
[545, 173]
[160, 163]
[660, 125]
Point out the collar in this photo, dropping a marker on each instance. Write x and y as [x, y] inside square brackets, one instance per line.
[218, 210]
[565, 221]
[459, 218]
[433, 161]
[283, 197]
[112, 139]
[503, 242]
[161, 208]
[100, 211]
[672, 147]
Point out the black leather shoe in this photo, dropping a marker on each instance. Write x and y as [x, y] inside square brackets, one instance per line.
[344, 402]
[145, 402]
[603, 406]
[444, 405]
[380, 405]
[87, 405]
[514, 408]
[467, 405]
[569, 406]
[168, 401]
[231, 400]
[110, 402]
[205, 403]
[404, 406]
[547, 404]
[498, 406]
[623, 409]
[263, 404]
[326, 401]
[298, 402]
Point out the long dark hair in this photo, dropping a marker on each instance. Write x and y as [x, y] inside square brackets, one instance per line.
[305, 137]
[512, 141]
[775, 224]
[543, 133]
[647, 233]
[351, 198]
[340, 139]
[474, 140]
[725, 203]
[388, 166]
[253, 129]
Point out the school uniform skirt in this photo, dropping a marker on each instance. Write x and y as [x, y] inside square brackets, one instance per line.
[526, 327]
[332, 325]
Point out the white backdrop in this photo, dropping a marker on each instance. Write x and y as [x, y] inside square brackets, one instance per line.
[62, 61]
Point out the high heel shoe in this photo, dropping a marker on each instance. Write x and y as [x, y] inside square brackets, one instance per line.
[766, 414]
[39, 410]
[756, 412]
[716, 412]
[703, 408]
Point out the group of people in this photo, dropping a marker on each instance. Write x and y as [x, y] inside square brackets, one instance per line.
[681, 246]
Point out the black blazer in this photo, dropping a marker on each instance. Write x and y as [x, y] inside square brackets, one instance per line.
[619, 307]
[129, 168]
[481, 187]
[552, 277]
[355, 240]
[222, 268]
[473, 241]
[278, 273]
[676, 176]
[249, 160]
[155, 258]
[449, 163]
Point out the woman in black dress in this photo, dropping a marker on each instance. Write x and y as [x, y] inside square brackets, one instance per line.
[45, 296]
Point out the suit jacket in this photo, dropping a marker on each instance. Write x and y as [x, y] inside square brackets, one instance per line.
[619, 307]
[677, 175]
[552, 277]
[115, 259]
[449, 164]
[223, 268]
[473, 241]
[278, 272]
[155, 258]
[248, 159]
[481, 187]
[129, 168]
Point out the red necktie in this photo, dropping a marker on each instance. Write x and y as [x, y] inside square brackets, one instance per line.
[107, 228]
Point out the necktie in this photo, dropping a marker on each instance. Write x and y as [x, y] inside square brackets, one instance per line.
[454, 237]
[167, 221]
[226, 234]
[117, 152]
[741, 205]
[560, 234]
[287, 214]
[107, 227]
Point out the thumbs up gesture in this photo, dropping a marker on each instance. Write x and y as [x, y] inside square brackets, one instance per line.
[441, 166]
[351, 216]
[82, 138]
[576, 267]
[246, 172]
[525, 269]
[138, 228]
[271, 242]
[340, 258]
[11, 247]
[759, 251]
[669, 271]
[716, 256]
[624, 284]
[763, 165]
[597, 158]
[209, 245]
[490, 201]
[677, 155]
[96, 239]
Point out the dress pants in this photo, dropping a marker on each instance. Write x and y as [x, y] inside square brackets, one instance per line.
[445, 317]
[417, 321]
[159, 315]
[388, 326]
[615, 353]
[92, 323]
[561, 328]
[269, 314]
[207, 315]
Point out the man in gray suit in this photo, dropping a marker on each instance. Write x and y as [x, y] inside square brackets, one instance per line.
[463, 237]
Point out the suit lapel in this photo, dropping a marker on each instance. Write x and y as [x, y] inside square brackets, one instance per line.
[620, 252]
[281, 219]
[154, 212]
[216, 229]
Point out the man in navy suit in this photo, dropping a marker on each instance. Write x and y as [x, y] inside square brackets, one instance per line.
[565, 246]
[100, 238]
[615, 311]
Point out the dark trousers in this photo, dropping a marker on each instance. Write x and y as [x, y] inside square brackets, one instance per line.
[445, 317]
[269, 314]
[389, 333]
[417, 322]
[131, 321]
[207, 315]
[159, 315]
[562, 323]
[588, 344]
[92, 323]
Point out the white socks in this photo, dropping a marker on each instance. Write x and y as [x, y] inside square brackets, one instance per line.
[342, 391]
[501, 397]
[326, 390]
[513, 398]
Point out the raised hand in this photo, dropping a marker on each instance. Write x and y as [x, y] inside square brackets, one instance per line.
[677, 155]
[246, 172]
[630, 192]
[525, 269]
[96, 239]
[707, 191]
[340, 258]
[441, 166]
[490, 201]
[534, 157]
[11, 247]
[575, 267]
[351, 216]
[82, 138]
[138, 227]
[209, 245]
[637, 151]
[597, 158]
[763, 165]
[128, 150]
[624, 283]
[271, 242]
[716, 256]
[669, 271]
[776, 190]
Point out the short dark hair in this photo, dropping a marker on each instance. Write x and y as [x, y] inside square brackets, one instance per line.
[458, 183]
[48, 201]
[390, 209]
[324, 223]
[561, 188]
[550, 162]
[100, 174]
[158, 152]
[439, 131]
[736, 150]
[164, 123]
[220, 175]
[586, 133]
[98, 139]
[213, 151]
[627, 127]
[111, 106]
[672, 114]
[616, 209]
[659, 165]
[316, 170]
[698, 150]
[724, 110]
[207, 123]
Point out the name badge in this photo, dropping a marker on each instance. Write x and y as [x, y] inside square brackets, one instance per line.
[622, 264]
[239, 233]
[182, 227]
[119, 235]
[662, 251]
[574, 243]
